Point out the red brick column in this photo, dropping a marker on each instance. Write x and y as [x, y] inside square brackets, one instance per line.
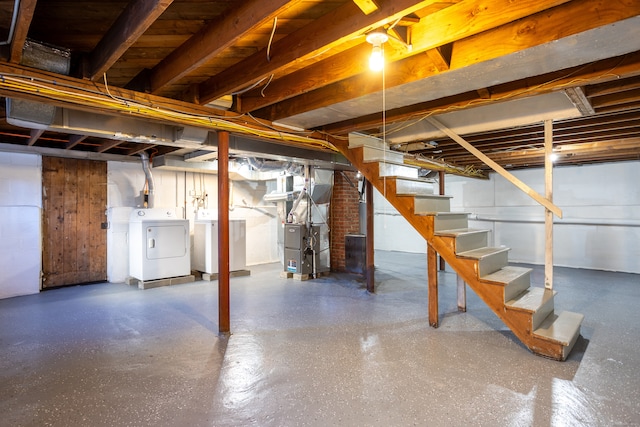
[344, 215]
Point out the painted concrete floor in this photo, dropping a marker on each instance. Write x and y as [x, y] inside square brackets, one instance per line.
[315, 353]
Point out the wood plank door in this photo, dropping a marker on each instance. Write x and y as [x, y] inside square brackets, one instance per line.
[74, 248]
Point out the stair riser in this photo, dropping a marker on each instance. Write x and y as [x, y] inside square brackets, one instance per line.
[370, 155]
[450, 222]
[388, 169]
[541, 313]
[492, 263]
[404, 187]
[516, 287]
[567, 349]
[467, 242]
[436, 204]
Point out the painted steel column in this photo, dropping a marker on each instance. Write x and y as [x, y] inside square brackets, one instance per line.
[432, 269]
[462, 294]
[548, 215]
[371, 283]
[224, 322]
[441, 192]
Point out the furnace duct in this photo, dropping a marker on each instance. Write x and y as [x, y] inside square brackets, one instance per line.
[149, 190]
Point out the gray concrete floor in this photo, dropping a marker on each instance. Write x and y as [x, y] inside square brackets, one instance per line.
[315, 353]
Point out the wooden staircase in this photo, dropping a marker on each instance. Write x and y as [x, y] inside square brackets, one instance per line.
[527, 311]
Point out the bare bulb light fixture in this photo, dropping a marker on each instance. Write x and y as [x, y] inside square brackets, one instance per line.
[377, 39]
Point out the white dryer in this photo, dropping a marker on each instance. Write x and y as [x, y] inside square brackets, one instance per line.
[159, 244]
[205, 243]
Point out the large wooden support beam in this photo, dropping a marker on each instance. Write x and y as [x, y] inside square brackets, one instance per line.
[329, 31]
[432, 269]
[496, 167]
[371, 283]
[548, 215]
[26, 8]
[134, 20]
[213, 39]
[224, 322]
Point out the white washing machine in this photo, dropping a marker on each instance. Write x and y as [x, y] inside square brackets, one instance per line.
[205, 243]
[159, 244]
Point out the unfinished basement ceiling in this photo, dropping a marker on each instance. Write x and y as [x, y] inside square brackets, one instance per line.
[288, 77]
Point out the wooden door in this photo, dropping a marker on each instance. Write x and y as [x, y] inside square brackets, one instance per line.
[74, 248]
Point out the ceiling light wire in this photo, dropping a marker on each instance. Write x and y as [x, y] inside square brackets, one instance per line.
[273, 32]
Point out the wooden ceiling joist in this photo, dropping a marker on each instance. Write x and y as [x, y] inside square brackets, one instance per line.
[490, 29]
[23, 21]
[596, 72]
[329, 31]
[366, 6]
[135, 19]
[213, 39]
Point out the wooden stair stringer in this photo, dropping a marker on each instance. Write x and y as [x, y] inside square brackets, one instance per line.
[519, 322]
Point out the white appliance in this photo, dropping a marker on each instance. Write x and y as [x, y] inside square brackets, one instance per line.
[205, 243]
[159, 244]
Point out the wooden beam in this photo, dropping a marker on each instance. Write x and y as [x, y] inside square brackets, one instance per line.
[74, 140]
[433, 31]
[218, 35]
[329, 31]
[17, 82]
[579, 99]
[496, 167]
[614, 99]
[366, 6]
[224, 318]
[108, 145]
[545, 27]
[414, 68]
[548, 215]
[596, 72]
[23, 22]
[134, 20]
[35, 134]
[139, 148]
[324, 72]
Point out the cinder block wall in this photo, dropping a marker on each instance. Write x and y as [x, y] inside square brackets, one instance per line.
[344, 215]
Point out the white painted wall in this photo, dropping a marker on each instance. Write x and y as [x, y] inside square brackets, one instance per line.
[21, 211]
[600, 228]
[20, 235]
[186, 192]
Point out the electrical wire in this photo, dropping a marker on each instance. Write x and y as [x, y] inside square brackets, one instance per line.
[267, 85]
[59, 91]
[273, 32]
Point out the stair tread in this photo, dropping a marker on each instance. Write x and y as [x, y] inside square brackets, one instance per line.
[482, 252]
[403, 178]
[459, 231]
[506, 274]
[431, 196]
[561, 328]
[531, 299]
[441, 213]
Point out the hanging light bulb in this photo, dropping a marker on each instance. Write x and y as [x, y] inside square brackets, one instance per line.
[376, 60]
